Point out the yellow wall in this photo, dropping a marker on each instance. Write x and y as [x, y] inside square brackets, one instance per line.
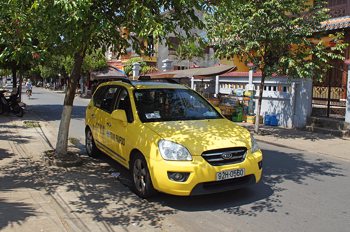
[240, 66]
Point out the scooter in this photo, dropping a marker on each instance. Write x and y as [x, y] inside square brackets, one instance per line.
[10, 104]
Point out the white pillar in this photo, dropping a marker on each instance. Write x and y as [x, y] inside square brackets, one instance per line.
[347, 109]
[167, 65]
[135, 70]
[192, 82]
[250, 85]
[290, 123]
[217, 86]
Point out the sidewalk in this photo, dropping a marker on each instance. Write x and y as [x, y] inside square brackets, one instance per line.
[303, 140]
[35, 197]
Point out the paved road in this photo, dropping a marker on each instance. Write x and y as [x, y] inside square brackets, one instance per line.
[48, 106]
[300, 191]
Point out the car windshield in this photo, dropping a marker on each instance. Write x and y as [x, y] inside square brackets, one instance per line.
[157, 105]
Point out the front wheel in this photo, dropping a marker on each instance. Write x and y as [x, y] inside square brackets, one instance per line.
[90, 145]
[141, 177]
[29, 93]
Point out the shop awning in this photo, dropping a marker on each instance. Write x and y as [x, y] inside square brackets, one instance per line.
[195, 72]
[108, 73]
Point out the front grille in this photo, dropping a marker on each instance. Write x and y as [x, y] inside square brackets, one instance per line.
[225, 156]
[223, 185]
[230, 182]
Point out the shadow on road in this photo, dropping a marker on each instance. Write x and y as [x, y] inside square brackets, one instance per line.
[4, 154]
[98, 193]
[7, 135]
[285, 133]
[265, 196]
[53, 112]
[8, 209]
[107, 199]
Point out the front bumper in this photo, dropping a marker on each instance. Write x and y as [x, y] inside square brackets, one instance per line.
[202, 178]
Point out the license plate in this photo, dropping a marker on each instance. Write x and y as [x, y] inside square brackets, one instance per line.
[230, 174]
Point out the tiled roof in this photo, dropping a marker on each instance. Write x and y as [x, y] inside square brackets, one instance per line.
[337, 23]
[209, 71]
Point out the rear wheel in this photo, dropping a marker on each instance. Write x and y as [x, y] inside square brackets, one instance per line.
[90, 145]
[141, 177]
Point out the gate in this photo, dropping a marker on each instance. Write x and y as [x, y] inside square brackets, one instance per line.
[329, 96]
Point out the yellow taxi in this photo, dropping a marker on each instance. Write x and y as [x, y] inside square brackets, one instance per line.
[170, 138]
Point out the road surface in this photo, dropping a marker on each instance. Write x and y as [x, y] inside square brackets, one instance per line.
[300, 191]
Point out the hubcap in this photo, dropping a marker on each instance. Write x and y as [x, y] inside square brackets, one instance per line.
[140, 176]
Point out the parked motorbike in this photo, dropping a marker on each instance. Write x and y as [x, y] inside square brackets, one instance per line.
[10, 104]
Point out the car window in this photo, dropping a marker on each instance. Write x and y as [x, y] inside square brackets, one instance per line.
[105, 98]
[98, 96]
[123, 103]
[155, 105]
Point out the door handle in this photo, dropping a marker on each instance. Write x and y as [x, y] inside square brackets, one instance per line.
[109, 124]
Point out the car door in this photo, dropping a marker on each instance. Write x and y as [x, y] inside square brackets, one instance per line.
[121, 131]
[93, 112]
[103, 114]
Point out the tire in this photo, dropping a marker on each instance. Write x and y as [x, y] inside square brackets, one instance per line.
[29, 93]
[90, 145]
[141, 178]
[18, 111]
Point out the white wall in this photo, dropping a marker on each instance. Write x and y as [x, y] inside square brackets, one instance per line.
[290, 99]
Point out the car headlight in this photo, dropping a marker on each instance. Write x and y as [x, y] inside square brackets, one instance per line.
[255, 146]
[173, 151]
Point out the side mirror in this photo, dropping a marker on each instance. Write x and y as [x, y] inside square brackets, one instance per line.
[218, 109]
[119, 115]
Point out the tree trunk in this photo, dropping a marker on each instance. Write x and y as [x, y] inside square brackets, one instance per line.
[258, 106]
[14, 77]
[63, 131]
[20, 85]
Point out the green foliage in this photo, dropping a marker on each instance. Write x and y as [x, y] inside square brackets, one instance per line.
[148, 69]
[5, 72]
[56, 65]
[51, 67]
[19, 47]
[94, 61]
[143, 65]
[191, 48]
[274, 35]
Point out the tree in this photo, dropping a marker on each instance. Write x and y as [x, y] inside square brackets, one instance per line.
[190, 48]
[75, 27]
[281, 37]
[143, 65]
[19, 49]
[55, 65]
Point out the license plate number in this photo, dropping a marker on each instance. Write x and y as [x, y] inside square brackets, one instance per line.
[230, 174]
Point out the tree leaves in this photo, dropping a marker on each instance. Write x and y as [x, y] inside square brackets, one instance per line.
[275, 35]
